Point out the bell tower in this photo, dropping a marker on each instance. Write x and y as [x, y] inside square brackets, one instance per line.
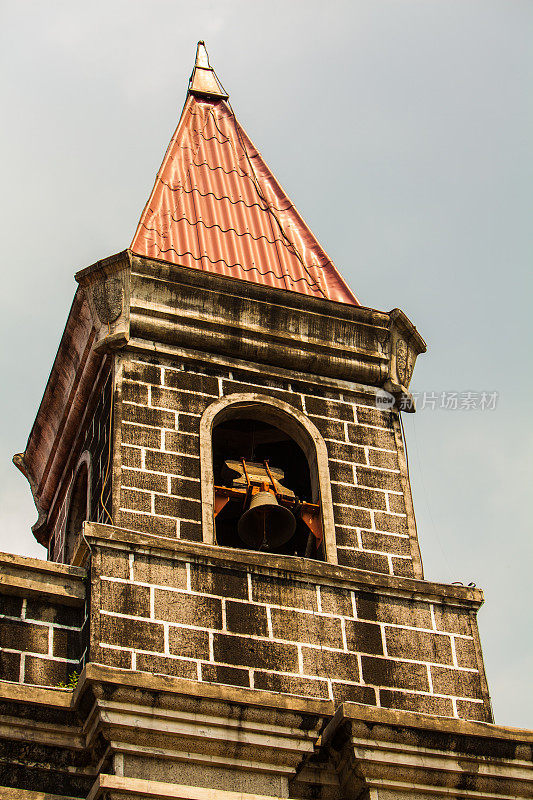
[220, 473]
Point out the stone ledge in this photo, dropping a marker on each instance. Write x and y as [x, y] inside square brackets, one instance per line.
[407, 719]
[35, 695]
[115, 787]
[25, 576]
[97, 673]
[8, 793]
[403, 755]
[307, 569]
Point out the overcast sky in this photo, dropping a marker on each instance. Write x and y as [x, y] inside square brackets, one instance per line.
[403, 132]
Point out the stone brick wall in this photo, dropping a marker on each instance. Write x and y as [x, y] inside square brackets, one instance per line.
[280, 629]
[43, 637]
[94, 437]
[162, 402]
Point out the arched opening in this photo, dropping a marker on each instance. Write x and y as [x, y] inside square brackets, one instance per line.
[260, 444]
[264, 460]
[78, 507]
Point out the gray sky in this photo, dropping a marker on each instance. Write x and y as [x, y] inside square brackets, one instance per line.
[402, 130]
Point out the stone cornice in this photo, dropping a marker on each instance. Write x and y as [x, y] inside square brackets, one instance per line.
[409, 755]
[30, 576]
[305, 569]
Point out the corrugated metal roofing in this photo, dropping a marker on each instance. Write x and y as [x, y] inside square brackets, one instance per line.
[217, 206]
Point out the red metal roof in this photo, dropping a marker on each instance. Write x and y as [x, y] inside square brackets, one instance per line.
[216, 205]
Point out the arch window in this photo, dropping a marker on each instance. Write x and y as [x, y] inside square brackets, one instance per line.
[265, 479]
[78, 506]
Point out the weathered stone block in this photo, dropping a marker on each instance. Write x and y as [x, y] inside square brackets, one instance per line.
[311, 628]
[147, 523]
[139, 634]
[66, 643]
[372, 437]
[346, 537]
[191, 531]
[396, 611]
[246, 618]
[260, 654]
[188, 609]
[328, 664]
[354, 517]
[380, 458]
[125, 598]
[286, 593]
[184, 443]
[396, 674]
[346, 452]
[473, 711]
[179, 400]
[358, 496]
[466, 653]
[387, 544]
[172, 464]
[141, 437]
[45, 611]
[420, 703]
[452, 619]
[178, 507]
[148, 481]
[114, 658]
[455, 682]
[336, 600]
[10, 605]
[329, 408]
[191, 381]
[146, 373]
[366, 415]
[360, 559]
[130, 457]
[160, 571]
[114, 564]
[134, 500]
[188, 643]
[159, 665]
[339, 471]
[23, 636]
[44, 672]
[343, 692]
[363, 637]
[189, 423]
[232, 676]
[9, 666]
[404, 643]
[232, 387]
[403, 567]
[222, 582]
[186, 487]
[391, 523]
[135, 393]
[329, 428]
[148, 416]
[397, 503]
[378, 479]
[289, 684]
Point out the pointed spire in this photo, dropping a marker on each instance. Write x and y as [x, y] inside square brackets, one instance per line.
[204, 82]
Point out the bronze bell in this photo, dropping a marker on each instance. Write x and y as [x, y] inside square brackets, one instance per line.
[266, 524]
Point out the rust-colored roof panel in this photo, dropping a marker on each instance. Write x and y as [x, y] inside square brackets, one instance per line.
[216, 206]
